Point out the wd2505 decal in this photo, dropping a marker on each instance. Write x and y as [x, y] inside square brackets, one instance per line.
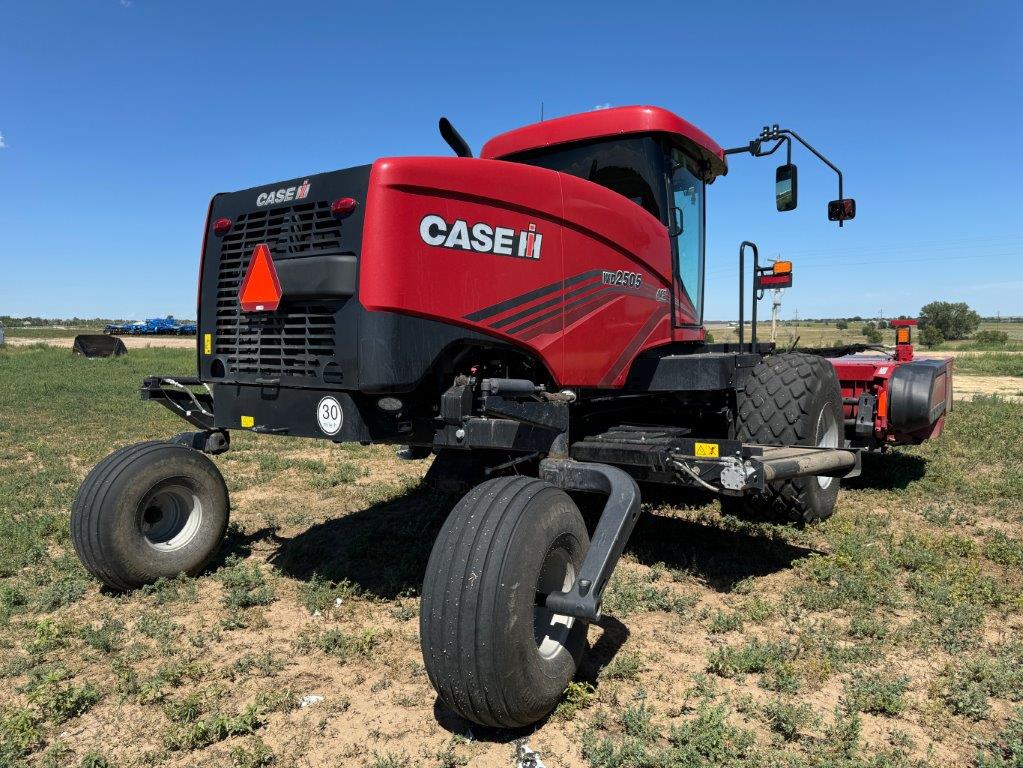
[622, 278]
[481, 237]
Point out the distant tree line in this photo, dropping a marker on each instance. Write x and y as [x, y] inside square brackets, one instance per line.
[939, 321]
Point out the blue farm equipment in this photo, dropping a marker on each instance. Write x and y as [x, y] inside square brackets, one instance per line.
[153, 326]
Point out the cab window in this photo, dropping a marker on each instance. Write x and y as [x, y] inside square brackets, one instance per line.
[687, 216]
[633, 168]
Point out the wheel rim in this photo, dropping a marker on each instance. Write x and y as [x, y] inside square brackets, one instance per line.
[551, 630]
[170, 517]
[827, 437]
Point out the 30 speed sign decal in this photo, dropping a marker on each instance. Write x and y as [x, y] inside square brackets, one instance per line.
[329, 416]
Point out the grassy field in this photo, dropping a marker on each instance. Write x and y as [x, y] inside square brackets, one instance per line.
[991, 364]
[888, 637]
[813, 333]
[49, 333]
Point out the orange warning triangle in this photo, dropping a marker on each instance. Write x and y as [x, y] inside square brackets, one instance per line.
[261, 290]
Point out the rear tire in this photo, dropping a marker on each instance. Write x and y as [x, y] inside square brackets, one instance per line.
[494, 656]
[147, 511]
[790, 399]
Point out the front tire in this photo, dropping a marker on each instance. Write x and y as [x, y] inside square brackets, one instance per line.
[147, 511]
[493, 654]
[791, 399]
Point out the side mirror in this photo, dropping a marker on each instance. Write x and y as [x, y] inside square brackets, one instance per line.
[677, 225]
[842, 210]
[785, 189]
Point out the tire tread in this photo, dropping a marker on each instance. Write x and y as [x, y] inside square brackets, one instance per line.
[770, 411]
[91, 506]
[461, 593]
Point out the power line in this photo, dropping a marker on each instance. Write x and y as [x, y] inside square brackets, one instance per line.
[890, 261]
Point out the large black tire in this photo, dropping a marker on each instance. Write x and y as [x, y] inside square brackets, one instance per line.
[147, 511]
[494, 656]
[790, 399]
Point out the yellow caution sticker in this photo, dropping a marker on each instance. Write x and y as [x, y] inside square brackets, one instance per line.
[248, 422]
[708, 450]
[207, 343]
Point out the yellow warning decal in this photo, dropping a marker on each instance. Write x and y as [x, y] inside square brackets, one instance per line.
[207, 343]
[250, 421]
[708, 450]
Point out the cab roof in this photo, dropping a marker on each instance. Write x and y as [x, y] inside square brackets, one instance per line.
[602, 123]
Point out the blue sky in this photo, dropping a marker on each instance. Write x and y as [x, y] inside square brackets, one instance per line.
[120, 120]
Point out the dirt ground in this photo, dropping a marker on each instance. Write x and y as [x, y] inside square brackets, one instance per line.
[966, 387]
[960, 353]
[131, 342]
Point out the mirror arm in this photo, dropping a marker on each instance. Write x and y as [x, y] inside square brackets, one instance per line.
[774, 133]
[753, 148]
[783, 140]
[820, 157]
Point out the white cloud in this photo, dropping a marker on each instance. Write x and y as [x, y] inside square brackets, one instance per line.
[602, 106]
[125, 3]
[3, 145]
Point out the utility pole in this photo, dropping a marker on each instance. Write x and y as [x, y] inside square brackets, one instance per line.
[775, 304]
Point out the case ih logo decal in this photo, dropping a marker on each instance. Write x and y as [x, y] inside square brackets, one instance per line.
[283, 195]
[481, 238]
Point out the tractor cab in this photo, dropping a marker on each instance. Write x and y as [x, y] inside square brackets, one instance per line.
[663, 164]
[654, 158]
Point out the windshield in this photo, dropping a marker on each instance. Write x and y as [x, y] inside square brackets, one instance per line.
[634, 168]
[687, 198]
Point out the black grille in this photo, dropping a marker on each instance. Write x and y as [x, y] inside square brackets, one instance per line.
[298, 339]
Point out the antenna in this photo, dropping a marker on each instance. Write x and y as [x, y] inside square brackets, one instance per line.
[541, 110]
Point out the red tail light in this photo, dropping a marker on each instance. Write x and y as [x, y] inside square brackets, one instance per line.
[344, 206]
[222, 226]
[261, 290]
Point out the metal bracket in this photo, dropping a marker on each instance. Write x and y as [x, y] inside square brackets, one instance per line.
[583, 599]
[456, 404]
[211, 441]
[175, 394]
[865, 414]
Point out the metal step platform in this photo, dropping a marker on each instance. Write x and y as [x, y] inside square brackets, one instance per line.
[671, 455]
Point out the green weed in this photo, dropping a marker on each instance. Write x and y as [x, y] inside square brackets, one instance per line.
[105, 638]
[253, 754]
[628, 593]
[244, 584]
[57, 700]
[342, 474]
[319, 594]
[753, 656]
[1006, 749]
[626, 665]
[722, 622]
[577, 696]
[877, 693]
[195, 725]
[787, 719]
[345, 646]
